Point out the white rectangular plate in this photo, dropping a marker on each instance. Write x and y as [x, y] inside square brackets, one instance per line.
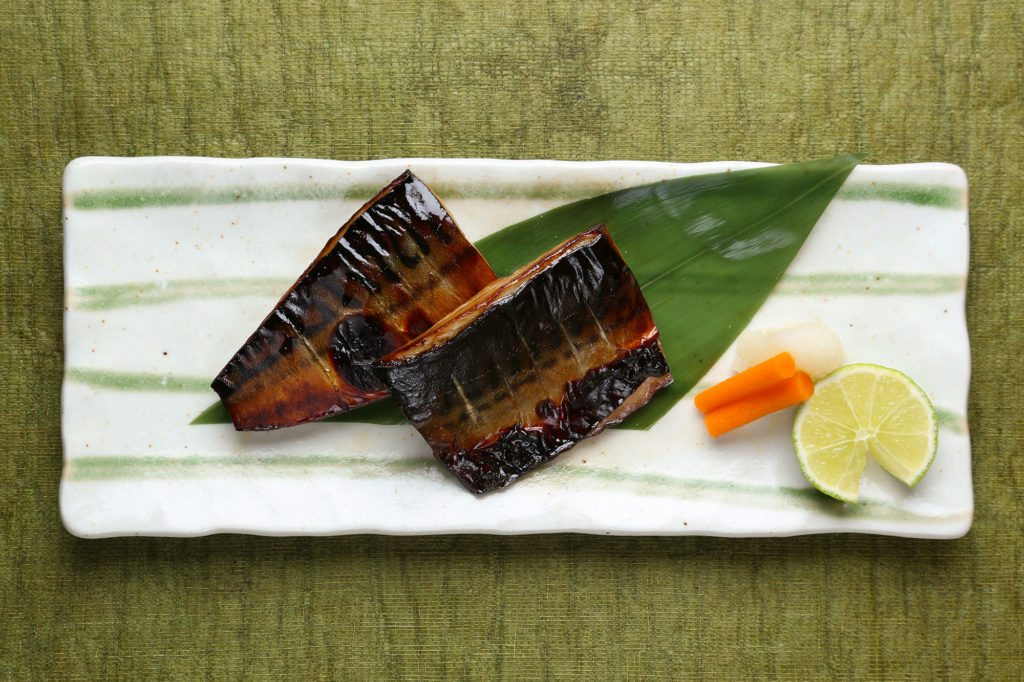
[170, 263]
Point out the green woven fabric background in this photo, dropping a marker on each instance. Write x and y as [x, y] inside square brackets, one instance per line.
[926, 80]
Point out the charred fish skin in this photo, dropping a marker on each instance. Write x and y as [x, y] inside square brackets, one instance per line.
[396, 267]
[532, 364]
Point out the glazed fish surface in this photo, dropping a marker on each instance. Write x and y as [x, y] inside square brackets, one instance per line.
[532, 364]
[395, 268]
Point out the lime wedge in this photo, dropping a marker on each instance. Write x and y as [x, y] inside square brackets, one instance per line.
[861, 410]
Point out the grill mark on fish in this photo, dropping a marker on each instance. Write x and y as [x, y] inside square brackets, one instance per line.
[442, 271]
[380, 256]
[395, 238]
[389, 214]
[512, 395]
[354, 272]
[428, 208]
[316, 358]
[470, 410]
[574, 352]
[597, 323]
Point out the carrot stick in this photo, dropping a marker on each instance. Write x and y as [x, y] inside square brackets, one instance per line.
[786, 393]
[749, 381]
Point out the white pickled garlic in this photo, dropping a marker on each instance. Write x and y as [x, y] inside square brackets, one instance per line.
[815, 348]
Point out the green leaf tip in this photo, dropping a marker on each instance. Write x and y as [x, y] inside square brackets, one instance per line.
[384, 412]
[214, 414]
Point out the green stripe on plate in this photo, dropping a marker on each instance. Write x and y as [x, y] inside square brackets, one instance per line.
[919, 195]
[146, 467]
[113, 296]
[792, 496]
[215, 414]
[138, 381]
[163, 197]
[868, 283]
[107, 467]
[951, 421]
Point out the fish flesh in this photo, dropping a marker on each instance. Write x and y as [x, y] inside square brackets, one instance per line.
[395, 268]
[532, 364]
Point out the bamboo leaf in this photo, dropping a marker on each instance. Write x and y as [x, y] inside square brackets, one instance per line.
[707, 250]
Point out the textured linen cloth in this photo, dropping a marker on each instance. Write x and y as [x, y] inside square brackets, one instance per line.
[928, 80]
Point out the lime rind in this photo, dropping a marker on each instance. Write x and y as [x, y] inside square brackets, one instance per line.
[865, 408]
[819, 484]
[926, 401]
